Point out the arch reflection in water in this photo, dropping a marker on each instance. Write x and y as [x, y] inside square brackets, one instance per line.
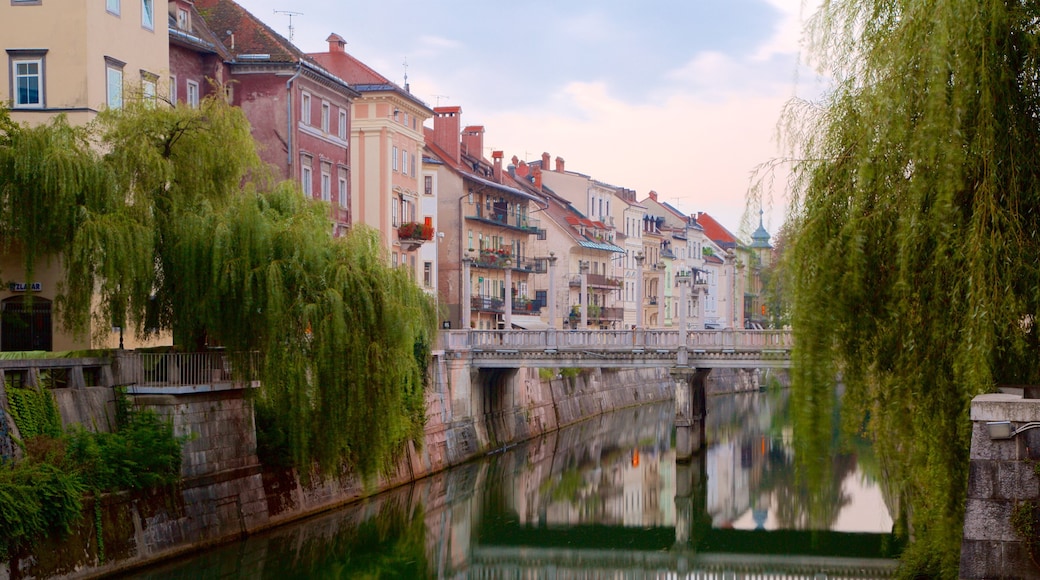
[592, 500]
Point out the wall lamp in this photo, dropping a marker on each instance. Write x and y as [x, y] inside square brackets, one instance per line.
[1004, 430]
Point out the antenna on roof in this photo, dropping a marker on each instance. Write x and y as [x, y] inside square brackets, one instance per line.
[405, 63]
[439, 97]
[290, 14]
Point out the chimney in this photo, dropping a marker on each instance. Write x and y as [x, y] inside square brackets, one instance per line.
[497, 156]
[336, 43]
[538, 178]
[559, 164]
[653, 195]
[522, 169]
[473, 141]
[545, 161]
[516, 161]
[446, 123]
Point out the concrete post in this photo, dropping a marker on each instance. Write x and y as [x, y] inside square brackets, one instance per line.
[465, 306]
[551, 333]
[689, 411]
[662, 275]
[684, 287]
[640, 258]
[583, 299]
[509, 295]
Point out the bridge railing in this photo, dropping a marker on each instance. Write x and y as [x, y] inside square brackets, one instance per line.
[619, 339]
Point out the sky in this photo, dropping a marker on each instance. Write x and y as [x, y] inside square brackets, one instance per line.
[683, 98]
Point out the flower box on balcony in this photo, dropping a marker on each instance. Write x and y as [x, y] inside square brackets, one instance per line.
[415, 231]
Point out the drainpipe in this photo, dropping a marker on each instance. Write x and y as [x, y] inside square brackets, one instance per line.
[289, 116]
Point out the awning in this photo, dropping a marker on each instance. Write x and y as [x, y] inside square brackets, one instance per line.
[529, 322]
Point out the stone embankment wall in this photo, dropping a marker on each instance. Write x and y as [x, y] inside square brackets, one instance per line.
[226, 494]
[1002, 478]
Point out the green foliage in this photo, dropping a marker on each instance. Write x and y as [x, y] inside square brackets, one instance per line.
[142, 454]
[570, 372]
[36, 499]
[1025, 520]
[178, 227]
[546, 374]
[34, 410]
[912, 263]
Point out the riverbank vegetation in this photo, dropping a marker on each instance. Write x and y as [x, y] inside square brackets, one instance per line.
[912, 259]
[166, 221]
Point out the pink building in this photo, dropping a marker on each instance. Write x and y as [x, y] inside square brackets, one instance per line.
[300, 111]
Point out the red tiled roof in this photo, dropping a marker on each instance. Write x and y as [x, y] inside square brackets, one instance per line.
[349, 68]
[715, 231]
[249, 35]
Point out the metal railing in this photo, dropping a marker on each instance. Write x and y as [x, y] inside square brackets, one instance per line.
[176, 369]
[744, 340]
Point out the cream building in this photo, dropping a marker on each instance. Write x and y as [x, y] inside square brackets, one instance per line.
[71, 57]
[79, 56]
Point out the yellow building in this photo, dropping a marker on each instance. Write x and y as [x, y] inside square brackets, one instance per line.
[71, 57]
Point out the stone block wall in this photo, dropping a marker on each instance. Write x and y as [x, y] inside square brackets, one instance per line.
[1002, 475]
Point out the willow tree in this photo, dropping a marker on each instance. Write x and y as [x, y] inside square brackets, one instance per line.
[170, 208]
[914, 256]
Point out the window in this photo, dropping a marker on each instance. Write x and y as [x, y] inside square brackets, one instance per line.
[342, 187]
[27, 76]
[148, 82]
[114, 76]
[393, 213]
[306, 176]
[395, 260]
[427, 274]
[326, 182]
[305, 108]
[112, 6]
[413, 164]
[342, 124]
[326, 113]
[26, 2]
[395, 158]
[148, 14]
[173, 90]
[404, 162]
[183, 20]
[193, 94]
[428, 185]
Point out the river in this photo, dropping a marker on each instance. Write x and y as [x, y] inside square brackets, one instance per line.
[603, 499]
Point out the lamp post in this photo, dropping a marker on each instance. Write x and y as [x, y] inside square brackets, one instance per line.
[684, 285]
[583, 299]
[508, 263]
[464, 305]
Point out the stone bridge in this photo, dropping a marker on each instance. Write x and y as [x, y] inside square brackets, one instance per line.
[702, 349]
[688, 355]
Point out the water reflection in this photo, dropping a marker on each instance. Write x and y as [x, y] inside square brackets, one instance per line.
[597, 498]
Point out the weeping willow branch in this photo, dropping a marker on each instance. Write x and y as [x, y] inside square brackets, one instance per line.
[913, 257]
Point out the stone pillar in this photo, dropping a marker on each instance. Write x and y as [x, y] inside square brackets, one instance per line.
[583, 299]
[509, 295]
[684, 287]
[689, 411]
[464, 297]
[550, 338]
[662, 275]
[691, 503]
[640, 258]
[1001, 480]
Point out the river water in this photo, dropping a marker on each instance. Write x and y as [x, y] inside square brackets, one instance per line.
[603, 499]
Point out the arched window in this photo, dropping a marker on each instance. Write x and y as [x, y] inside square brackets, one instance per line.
[25, 324]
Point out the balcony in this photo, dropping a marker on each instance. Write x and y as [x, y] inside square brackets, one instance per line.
[598, 313]
[486, 304]
[503, 218]
[411, 235]
[597, 281]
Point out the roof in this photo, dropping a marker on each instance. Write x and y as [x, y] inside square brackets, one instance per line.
[465, 170]
[716, 232]
[361, 77]
[249, 40]
[760, 239]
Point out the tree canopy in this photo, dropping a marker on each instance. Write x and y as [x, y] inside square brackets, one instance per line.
[914, 249]
[165, 218]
